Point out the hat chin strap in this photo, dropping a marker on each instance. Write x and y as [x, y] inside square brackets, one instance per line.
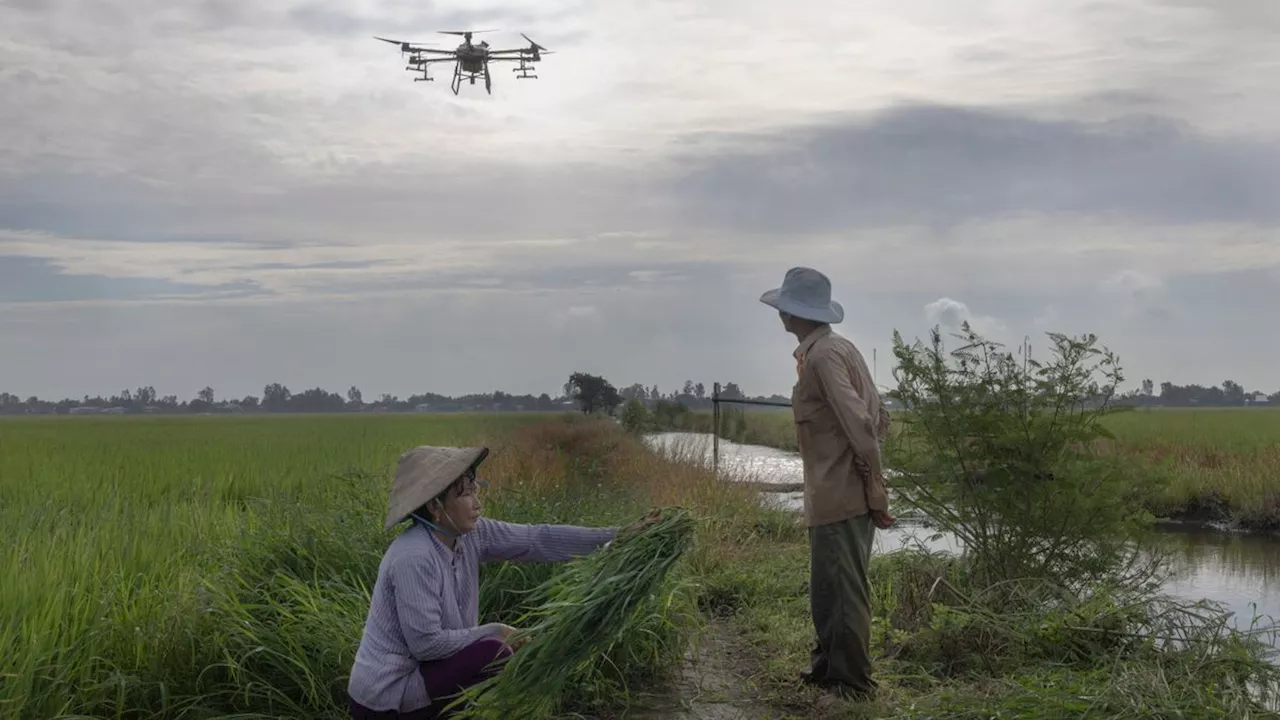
[434, 526]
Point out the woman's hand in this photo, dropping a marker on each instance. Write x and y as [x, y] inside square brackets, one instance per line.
[654, 516]
[513, 637]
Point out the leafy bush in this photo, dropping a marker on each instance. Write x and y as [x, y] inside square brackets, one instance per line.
[636, 417]
[1010, 454]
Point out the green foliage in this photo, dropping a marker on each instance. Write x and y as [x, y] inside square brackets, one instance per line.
[596, 605]
[670, 414]
[1008, 453]
[636, 418]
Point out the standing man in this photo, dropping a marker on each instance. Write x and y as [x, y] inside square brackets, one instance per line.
[841, 423]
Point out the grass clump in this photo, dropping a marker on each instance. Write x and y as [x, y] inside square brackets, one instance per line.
[587, 612]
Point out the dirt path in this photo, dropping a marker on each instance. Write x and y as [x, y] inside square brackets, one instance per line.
[714, 684]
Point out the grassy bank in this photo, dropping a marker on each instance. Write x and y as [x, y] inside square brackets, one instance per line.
[1221, 464]
[204, 567]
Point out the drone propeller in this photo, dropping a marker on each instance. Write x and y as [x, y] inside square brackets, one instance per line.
[404, 46]
[533, 44]
[464, 32]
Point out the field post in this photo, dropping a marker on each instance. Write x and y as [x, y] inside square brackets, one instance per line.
[715, 431]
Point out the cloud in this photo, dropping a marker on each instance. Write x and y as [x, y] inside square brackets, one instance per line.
[1139, 295]
[269, 175]
[948, 165]
[951, 315]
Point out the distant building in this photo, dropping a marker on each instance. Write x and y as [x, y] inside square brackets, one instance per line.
[1257, 399]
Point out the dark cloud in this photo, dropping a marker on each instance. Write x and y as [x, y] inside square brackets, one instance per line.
[950, 164]
[451, 199]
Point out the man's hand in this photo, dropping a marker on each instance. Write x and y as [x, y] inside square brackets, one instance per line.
[883, 519]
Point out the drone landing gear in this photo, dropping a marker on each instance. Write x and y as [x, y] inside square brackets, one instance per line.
[525, 71]
[459, 75]
[456, 85]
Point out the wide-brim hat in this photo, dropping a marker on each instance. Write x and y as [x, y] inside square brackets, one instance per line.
[805, 293]
[424, 472]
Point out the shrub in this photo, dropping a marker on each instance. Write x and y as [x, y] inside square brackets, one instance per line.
[1005, 452]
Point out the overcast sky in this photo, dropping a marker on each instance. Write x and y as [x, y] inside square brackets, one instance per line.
[232, 193]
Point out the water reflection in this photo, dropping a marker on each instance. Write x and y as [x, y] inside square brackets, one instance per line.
[1242, 572]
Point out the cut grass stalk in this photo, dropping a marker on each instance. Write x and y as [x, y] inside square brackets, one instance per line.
[584, 610]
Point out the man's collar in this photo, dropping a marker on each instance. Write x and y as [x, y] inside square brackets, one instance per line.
[810, 339]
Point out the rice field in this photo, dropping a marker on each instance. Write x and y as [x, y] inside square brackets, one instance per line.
[1221, 464]
[215, 567]
[197, 567]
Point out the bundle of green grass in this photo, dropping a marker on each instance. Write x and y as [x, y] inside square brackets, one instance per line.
[583, 611]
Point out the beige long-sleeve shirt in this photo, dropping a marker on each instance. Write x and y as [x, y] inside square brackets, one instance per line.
[841, 423]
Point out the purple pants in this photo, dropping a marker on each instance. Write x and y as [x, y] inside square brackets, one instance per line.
[445, 679]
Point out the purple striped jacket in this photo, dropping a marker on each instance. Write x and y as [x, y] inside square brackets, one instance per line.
[425, 603]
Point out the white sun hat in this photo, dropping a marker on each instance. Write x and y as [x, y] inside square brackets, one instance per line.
[805, 293]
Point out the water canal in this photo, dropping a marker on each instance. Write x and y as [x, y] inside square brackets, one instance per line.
[1242, 572]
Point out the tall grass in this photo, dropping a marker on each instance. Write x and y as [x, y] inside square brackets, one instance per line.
[1223, 463]
[195, 567]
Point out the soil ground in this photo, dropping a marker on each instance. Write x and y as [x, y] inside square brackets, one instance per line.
[714, 684]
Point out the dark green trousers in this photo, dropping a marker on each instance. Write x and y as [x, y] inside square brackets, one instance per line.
[840, 600]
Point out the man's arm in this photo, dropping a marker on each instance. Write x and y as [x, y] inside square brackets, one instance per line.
[836, 381]
[499, 540]
[882, 425]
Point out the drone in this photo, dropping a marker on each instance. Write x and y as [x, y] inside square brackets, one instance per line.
[470, 61]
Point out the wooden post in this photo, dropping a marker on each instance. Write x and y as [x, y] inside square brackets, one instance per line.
[715, 431]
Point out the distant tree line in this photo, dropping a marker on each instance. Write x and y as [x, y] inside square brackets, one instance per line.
[585, 392]
[1229, 394]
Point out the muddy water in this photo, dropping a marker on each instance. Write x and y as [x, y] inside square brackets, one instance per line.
[1241, 572]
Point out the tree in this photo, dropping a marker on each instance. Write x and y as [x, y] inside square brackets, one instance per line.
[700, 391]
[354, 397]
[275, 397]
[593, 393]
[1232, 393]
[635, 416]
[731, 391]
[1009, 454]
[688, 388]
[206, 395]
[1148, 388]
